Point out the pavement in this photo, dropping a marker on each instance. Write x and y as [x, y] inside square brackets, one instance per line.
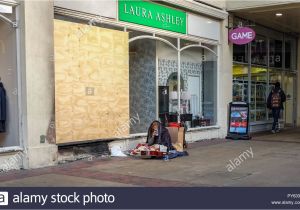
[266, 160]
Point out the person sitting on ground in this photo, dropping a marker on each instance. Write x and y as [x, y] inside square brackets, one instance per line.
[275, 102]
[158, 134]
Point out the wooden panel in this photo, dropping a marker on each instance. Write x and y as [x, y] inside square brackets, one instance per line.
[97, 59]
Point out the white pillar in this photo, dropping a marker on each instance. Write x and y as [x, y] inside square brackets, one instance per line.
[224, 79]
[37, 81]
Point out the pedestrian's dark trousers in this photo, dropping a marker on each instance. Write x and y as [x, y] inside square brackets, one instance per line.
[276, 115]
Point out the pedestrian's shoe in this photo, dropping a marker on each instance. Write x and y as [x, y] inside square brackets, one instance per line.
[277, 131]
[273, 131]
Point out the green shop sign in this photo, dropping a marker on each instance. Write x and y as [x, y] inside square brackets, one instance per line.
[150, 14]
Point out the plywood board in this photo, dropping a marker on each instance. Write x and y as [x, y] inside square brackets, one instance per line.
[94, 60]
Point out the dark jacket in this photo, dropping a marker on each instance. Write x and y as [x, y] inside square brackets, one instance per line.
[163, 137]
[282, 98]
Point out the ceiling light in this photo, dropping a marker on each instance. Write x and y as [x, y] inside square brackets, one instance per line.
[278, 14]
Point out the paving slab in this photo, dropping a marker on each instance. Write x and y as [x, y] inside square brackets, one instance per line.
[57, 180]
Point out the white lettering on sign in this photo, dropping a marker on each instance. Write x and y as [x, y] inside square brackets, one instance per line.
[242, 35]
[147, 14]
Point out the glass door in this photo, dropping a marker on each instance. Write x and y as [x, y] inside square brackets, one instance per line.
[289, 108]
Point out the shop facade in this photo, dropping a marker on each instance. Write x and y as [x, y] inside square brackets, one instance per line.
[94, 72]
[104, 70]
[270, 58]
[159, 65]
[10, 142]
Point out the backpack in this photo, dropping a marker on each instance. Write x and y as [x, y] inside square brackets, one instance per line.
[275, 99]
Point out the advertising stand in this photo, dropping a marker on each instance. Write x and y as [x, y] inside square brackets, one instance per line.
[238, 121]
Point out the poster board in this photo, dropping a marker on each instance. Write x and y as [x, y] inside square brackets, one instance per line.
[238, 121]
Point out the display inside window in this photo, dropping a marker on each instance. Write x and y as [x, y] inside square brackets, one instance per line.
[240, 83]
[197, 90]
[258, 105]
[271, 57]
[9, 117]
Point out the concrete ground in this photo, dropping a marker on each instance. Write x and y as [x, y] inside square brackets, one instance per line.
[275, 162]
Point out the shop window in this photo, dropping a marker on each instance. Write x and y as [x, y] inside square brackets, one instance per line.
[197, 91]
[259, 51]
[275, 58]
[154, 83]
[167, 63]
[290, 54]
[240, 53]
[9, 135]
[258, 105]
[240, 83]
[198, 94]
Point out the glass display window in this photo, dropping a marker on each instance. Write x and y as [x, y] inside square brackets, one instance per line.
[240, 53]
[240, 83]
[258, 106]
[200, 89]
[290, 53]
[275, 56]
[259, 51]
[288, 86]
[158, 90]
[272, 55]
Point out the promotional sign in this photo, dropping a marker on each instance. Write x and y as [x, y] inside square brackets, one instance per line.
[153, 15]
[242, 35]
[238, 121]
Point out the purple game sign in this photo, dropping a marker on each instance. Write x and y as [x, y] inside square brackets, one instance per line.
[242, 35]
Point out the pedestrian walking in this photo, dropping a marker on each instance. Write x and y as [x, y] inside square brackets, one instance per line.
[275, 102]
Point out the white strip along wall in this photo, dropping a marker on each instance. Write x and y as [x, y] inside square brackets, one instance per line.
[203, 27]
[104, 8]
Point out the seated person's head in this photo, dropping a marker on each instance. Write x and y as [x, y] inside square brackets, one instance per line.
[154, 129]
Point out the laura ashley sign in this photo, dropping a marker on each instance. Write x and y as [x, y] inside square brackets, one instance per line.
[241, 35]
[153, 15]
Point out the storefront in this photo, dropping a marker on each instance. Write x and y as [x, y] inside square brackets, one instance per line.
[117, 72]
[9, 78]
[268, 59]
